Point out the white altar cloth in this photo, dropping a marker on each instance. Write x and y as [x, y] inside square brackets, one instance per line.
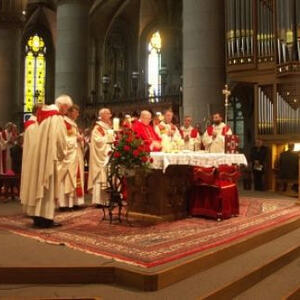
[162, 160]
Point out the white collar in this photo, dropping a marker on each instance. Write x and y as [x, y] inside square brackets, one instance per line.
[70, 121]
[50, 107]
[222, 124]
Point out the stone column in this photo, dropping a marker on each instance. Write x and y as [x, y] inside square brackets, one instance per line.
[171, 58]
[10, 103]
[203, 57]
[298, 201]
[71, 66]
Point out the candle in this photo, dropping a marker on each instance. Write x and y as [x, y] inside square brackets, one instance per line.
[116, 124]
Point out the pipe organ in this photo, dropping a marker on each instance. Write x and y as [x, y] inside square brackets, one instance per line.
[279, 116]
[263, 49]
[263, 54]
[262, 31]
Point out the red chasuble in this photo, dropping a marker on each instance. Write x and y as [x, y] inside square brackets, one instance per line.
[147, 133]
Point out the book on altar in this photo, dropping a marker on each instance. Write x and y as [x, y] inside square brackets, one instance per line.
[231, 144]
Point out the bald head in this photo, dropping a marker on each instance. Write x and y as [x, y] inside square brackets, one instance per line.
[145, 117]
[105, 115]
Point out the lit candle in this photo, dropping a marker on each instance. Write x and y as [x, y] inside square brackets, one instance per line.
[116, 124]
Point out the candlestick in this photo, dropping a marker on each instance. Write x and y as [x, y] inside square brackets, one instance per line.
[116, 124]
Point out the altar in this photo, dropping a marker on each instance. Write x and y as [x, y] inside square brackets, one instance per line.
[163, 193]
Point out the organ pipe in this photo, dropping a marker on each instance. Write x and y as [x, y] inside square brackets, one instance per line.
[239, 31]
[288, 117]
[265, 113]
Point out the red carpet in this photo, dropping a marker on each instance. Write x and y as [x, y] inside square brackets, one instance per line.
[149, 246]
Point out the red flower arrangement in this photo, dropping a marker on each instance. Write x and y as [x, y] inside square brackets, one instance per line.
[128, 156]
[129, 153]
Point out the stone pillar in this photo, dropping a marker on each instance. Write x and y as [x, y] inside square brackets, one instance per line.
[71, 66]
[203, 57]
[171, 53]
[10, 103]
[298, 201]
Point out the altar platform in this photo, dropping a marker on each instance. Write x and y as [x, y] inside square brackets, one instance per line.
[165, 192]
[143, 256]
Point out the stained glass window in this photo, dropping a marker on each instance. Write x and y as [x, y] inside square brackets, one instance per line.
[35, 72]
[154, 65]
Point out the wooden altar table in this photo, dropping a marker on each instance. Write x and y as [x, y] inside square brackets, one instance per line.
[162, 194]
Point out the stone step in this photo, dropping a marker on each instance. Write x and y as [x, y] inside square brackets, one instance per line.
[234, 276]
[219, 272]
[279, 285]
[294, 294]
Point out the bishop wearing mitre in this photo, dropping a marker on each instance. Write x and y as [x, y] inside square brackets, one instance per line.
[145, 131]
[71, 193]
[100, 146]
[28, 184]
[190, 135]
[214, 136]
[51, 149]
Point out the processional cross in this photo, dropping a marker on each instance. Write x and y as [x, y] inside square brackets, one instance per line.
[226, 92]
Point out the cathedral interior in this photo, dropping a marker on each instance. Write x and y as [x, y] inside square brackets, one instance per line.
[132, 55]
[136, 54]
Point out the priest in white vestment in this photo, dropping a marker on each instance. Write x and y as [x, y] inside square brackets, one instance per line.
[101, 137]
[28, 184]
[190, 135]
[214, 136]
[169, 132]
[71, 194]
[51, 149]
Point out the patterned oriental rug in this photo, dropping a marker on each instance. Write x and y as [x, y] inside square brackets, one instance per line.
[152, 245]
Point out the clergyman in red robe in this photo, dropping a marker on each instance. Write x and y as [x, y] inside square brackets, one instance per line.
[145, 131]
